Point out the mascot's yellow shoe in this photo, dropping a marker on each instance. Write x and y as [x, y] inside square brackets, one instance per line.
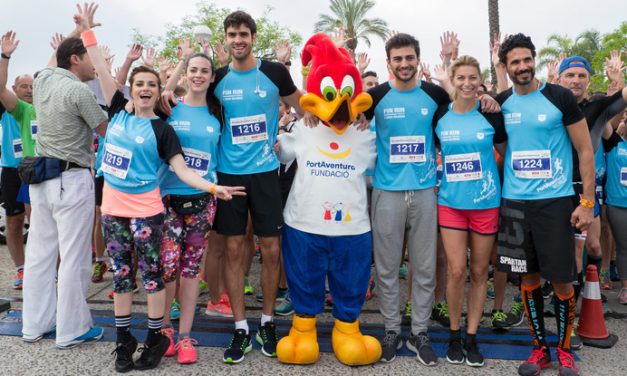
[301, 345]
[353, 348]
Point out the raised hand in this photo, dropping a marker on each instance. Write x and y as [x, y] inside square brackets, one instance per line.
[495, 47]
[488, 85]
[84, 19]
[425, 71]
[204, 45]
[552, 71]
[455, 42]
[56, 40]
[362, 62]
[163, 64]
[184, 50]
[106, 54]
[614, 67]
[135, 52]
[439, 73]
[149, 57]
[9, 43]
[339, 37]
[447, 45]
[221, 54]
[283, 51]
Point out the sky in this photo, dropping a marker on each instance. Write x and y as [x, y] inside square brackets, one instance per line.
[35, 21]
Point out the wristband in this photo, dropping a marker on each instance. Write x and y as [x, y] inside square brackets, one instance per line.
[586, 203]
[5, 56]
[305, 70]
[212, 190]
[89, 38]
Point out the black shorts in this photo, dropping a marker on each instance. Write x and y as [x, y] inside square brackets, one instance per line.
[536, 236]
[11, 183]
[98, 185]
[263, 199]
[286, 178]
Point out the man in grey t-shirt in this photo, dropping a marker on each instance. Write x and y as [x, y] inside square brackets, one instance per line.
[62, 216]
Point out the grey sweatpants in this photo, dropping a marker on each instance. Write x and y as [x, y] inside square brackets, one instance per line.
[393, 213]
[617, 217]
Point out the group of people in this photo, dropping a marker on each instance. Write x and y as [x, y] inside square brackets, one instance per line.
[507, 176]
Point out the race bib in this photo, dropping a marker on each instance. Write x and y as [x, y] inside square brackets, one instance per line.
[463, 167]
[17, 148]
[116, 161]
[33, 129]
[249, 129]
[532, 164]
[623, 175]
[407, 149]
[197, 161]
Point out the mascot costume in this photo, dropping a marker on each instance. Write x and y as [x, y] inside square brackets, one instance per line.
[327, 232]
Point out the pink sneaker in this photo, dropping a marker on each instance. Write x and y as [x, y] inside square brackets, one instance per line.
[169, 332]
[185, 350]
[221, 309]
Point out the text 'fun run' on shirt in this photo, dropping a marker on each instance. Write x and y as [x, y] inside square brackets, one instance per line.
[406, 153]
[250, 116]
[198, 132]
[539, 158]
[470, 178]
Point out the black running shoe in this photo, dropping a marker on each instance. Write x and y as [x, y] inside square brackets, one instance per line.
[390, 345]
[473, 355]
[455, 354]
[151, 355]
[124, 355]
[240, 346]
[547, 290]
[421, 345]
[266, 338]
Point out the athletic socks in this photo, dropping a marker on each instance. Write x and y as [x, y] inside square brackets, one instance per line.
[242, 325]
[565, 317]
[154, 330]
[18, 268]
[123, 326]
[534, 308]
[265, 319]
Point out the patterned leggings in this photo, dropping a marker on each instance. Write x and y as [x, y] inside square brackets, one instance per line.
[142, 235]
[184, 240]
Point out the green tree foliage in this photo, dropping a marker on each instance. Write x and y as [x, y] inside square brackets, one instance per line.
[269, 32]
[351, 16]
[589, 44]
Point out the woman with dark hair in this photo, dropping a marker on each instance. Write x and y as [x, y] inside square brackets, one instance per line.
[189, 211]
[137, 146]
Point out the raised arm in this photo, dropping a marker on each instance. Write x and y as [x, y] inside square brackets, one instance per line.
[184, 52]
[82, 21]
[133, 54]
[9, 44]
[502, 83]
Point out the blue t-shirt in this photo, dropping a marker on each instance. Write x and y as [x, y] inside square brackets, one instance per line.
[11, 140]
[470, 178]
[406, 158]
[250, 116]
[539, 158]
[199, 133]
[135, 149]
[616, 175]
[373, 129]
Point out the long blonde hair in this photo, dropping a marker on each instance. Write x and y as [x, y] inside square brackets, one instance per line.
[464, 60]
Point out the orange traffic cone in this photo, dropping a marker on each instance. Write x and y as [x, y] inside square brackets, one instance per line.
[591, 327]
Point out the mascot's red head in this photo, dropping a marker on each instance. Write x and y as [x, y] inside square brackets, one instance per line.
[334, 90]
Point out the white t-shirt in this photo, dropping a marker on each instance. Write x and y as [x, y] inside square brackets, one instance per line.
[328, 196]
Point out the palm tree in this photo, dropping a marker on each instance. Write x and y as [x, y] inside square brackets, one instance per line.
[351, 16]
[586, 44]
[493, 20]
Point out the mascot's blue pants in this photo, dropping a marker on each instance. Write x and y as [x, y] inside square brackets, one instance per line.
[346, 260]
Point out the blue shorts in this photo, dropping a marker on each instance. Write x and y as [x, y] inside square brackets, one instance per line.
[309, 259]
[23, 196]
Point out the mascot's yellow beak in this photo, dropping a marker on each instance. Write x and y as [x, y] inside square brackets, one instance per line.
[339, 113]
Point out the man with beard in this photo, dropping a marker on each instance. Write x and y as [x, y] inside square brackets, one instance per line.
[536, 238]
[249, 90]
[403, 198]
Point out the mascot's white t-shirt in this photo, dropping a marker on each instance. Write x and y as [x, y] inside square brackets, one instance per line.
[328, 196]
